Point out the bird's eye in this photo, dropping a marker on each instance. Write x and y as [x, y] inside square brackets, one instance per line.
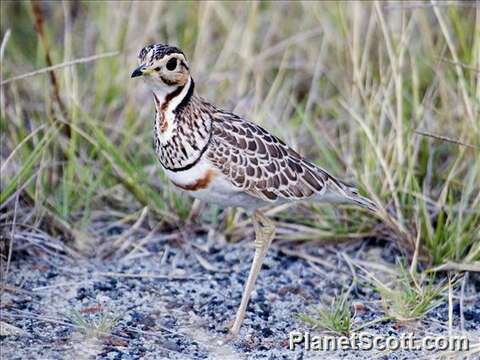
[172, 64]
[157, 68]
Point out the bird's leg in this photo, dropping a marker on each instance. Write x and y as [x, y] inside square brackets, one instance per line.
[264, 233]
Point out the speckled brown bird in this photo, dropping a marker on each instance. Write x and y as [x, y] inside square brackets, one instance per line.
[217, 156]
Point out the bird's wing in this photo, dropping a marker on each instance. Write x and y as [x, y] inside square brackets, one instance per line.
[261, 164]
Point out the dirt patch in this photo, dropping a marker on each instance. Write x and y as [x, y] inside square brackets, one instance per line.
[170, 304]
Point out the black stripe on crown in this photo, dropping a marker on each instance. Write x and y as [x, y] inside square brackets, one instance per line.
[159, 51]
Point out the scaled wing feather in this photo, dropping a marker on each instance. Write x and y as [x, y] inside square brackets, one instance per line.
[261, 164]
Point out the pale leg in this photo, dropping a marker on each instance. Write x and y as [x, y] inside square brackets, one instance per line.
[264, 233]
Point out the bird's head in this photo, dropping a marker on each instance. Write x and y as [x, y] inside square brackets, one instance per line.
[163, 67]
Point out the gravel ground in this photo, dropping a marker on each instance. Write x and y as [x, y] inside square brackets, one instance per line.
[177, 301]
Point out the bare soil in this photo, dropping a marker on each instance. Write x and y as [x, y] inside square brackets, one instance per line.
[176, 302]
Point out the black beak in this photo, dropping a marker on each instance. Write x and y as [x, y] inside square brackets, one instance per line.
[138, 71]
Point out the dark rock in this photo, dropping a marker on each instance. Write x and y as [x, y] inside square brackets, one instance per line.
[102, 286]
[82, 293]
[266, 332]
[51, 274]
[471, 315]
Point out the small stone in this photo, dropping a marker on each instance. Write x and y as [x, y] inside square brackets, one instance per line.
[81, 293]
[470, 315]
[102, 286]
[266, 332]
[9, 330]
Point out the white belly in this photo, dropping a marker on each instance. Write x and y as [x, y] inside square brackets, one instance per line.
[219, 190]
[189, 176]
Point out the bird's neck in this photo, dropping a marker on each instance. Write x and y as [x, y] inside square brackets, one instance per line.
[173, 98]
[168, 103]
[182, 127]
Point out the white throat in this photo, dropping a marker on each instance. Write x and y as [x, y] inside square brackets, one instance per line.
[165, 106]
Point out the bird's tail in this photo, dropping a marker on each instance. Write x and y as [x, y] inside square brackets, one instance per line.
[365, 203]
[344, 193]
[351, 194]
[340, 192]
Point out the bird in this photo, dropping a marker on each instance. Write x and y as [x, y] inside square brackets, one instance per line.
[219, 157]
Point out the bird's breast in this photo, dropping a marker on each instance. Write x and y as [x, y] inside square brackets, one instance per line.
[199, 183]
[201, 176]
[205, 182]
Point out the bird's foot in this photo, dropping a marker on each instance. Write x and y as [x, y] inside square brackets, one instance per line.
[232, 333]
